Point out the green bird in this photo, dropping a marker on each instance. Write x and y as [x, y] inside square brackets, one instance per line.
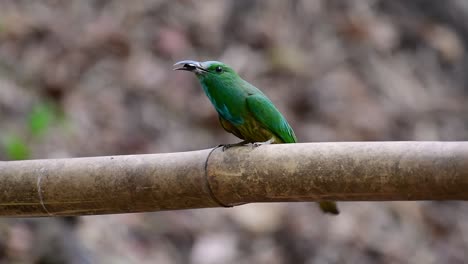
[243, 109]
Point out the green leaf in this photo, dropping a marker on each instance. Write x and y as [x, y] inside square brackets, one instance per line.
[16, 148]
[41, 118]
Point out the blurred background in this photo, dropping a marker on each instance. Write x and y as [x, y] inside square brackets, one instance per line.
[88, 78]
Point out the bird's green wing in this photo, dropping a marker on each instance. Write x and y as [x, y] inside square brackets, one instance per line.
[266, 113]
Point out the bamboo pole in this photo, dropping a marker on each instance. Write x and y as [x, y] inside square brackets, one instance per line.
[346, 171]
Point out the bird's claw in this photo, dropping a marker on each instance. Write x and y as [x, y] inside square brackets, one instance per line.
[257, 144]
[227, 146]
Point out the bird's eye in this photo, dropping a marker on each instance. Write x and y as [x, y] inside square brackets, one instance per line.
[219, 69]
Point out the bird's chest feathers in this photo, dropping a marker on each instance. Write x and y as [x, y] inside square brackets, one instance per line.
[229, 102]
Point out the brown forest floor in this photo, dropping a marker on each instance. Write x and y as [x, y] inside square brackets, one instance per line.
[87, 78]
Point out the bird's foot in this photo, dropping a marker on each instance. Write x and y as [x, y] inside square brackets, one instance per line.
[227, 146]
[258, 144]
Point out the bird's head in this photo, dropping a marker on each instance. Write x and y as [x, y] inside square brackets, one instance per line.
[206, 69]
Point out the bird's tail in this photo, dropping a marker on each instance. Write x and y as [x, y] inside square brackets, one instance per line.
[329, 207]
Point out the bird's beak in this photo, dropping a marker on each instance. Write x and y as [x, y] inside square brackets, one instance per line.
[189, 65]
